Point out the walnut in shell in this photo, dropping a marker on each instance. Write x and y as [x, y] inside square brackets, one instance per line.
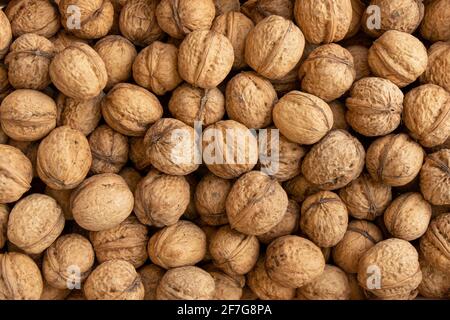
[434, 178]
[438, 68]
[50, 293]
[227, 287]
[224, 6]
[434, 245]
[435, 283]
[4, 214]
[63, 39]
[29, 149]
[131, 177]
[62, 197]
[150, 276]
[5, 34]
[137, 154]
[5, 87]
[338, 109]
[298, 188]
[360, 56]
[436, 25]
[358, 7]
[257, 10]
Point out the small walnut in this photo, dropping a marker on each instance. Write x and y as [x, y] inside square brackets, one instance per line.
[156, 68]
[224, 6]
[118, 54]
[29, 149]
[293, 261]
[399, 57]
[328, 72]
[131, 177]
[161, 199]
[358, 7]
[138, 155]
[179, 18]
[150, 276]
[5, 34]
[323, 21]
[436, 25]
[360, 56]
[227, 287]
[298, 188]
[338, 109]
[79, 72]
[127, 241]
[116, 204]
[186, 283]
[302, 117]
[114, 280]
[233, 252]
[435, 283]
[274, 47]
[334, 161]
[179, 245]
[64, 158]
[438, 69]
[434, 178]
[4, 214]
[324, 218]
[287, 83]
[35, 222]
[264, 287]
[360, 236]
[50, 293]
[396, 263]
[63, 39]
[33, 16]
[95, 17]
[68, 252]
[435, 243]
[15, 175]
[27, 115]
[257, 10]
[256, 203]
[62, 197]
[205, 58]
[20, 278]
[332, 284]
[394, 160]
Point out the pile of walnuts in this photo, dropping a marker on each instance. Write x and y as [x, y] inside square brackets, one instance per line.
[96, 204]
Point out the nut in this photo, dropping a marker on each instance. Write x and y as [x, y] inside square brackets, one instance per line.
[338, 109]
[150, 276]
[257, 10]
[227, 287]
[63, 39]
[437, 71]
[51, 293]
[138, 155]
[62, 197]
[298, 188]
[224, 6]
[434, 245]
[360, 56]
[358, 7]
[131, 177]
[5, 34]
[435, 24]
[434, 178]
[4, 213]
[435, 283]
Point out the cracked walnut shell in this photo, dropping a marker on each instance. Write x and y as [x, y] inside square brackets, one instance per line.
[435, 243]
[435, 178]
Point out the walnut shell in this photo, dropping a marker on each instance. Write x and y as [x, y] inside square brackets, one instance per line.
[5, 34]
[62, 197]
[179, 245]
[127, 241]
[323, 21]
[116, 205]
[155, 68]
[27, 115]
[20, 278]
[358, 7]
[360, 56]
[394, 159]
[257, 10]
[150, 276]
[227, 287]
[274, 47]
[130, 109]
[5, 87]
[4, 214]
[118, 54]
[131, 177]
[95, 17]
[438, 69]
[35, 222]
[161, 199]
[332, 284]
[435, 283]
[50, 293]
[427, 114]
[360, 236]
[29, 149]
[399, 57]
[138, 154]
[179, 18]
[338, 109]
[186, 283]
[114, 280]
[434, 178]
[324, 218]
[374, 107]
[302, 117]
[328, 72]
[434, 245]
[109, 150]
[79, 72]
[298, 188]
[264, 287]
[205, 58]
[390, 269]
[334, 161]
[224, 6]
[293, 261]
[64, 158]
[233, 252]
[68, 261]
[33, 16]
[63, 39]
[256, 203]
[435, 24]
[229, 149]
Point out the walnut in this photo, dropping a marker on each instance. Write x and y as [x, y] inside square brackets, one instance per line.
[4, 214]
[399, 57]
[358, 7]
[79, 72]
[434, 245]
[298, 188]
[287, 83]
[131, 177]
[130, 109]
[150, 276]
[302, 117]
[68, 261]
[323, 21]
[248, 294]
[356, 292]
[293, 261]
[50, 293]
[209, 232]
[205, 58]
[114, 280]
[137, 154]
[127, 241]
[161, 199]
[63, 39]
[5, 34]
[435, 25]
[227, 287]
[16, 174]
[115, 206]
[29, 149]
[360, 56]
[62, 197]
[233, 252]
[338, 109]
[360, 236]
[274, 47]
[435, 283]
[155, 68]
[257, 10]
[5, 87]
[224, 6]
[328, 72]
[438, 69]
[35, 222]
[434, 178]
[64, 158]
[390, 269]
[27, 115]
[20, 277]
[335, 161]
[394, 160]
